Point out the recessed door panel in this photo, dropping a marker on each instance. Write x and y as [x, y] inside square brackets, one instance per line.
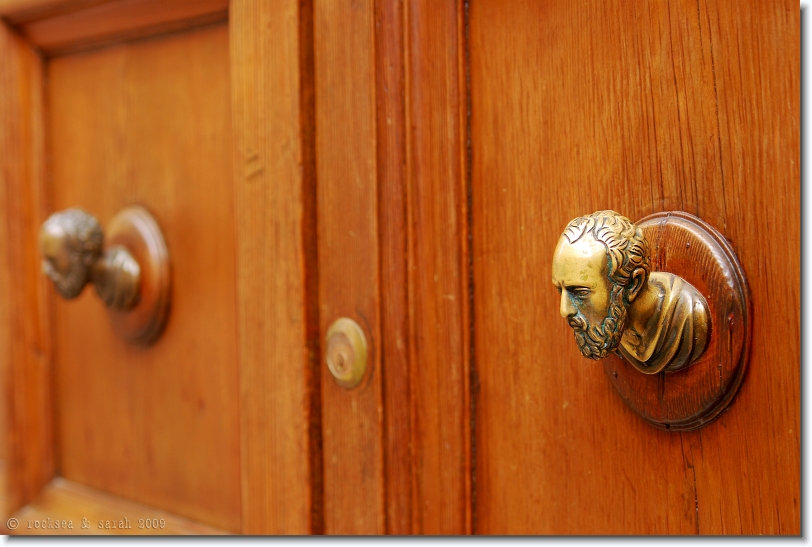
[639, 107]
[149, 122]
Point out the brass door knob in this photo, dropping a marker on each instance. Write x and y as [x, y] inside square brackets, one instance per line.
[129, 267]
[665, 297]
[614, 302]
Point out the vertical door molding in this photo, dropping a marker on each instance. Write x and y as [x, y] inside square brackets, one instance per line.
[393, 238]
[349, 281]
[277, 317]
[439, 247]
[24, 308]
[393, 255]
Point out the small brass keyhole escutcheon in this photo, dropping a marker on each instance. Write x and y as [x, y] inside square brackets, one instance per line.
[346, 352]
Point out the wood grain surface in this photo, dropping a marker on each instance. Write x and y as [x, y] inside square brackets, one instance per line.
[149, 123]
[82, 25]
[278, 331]
[92, 512]
[4, 509]
[4, 498]
[347, 196]
[25, 314]
[348, 257]
[438, 266]
[393, 256]
[396, 357]
[638, 107]
[24, 11]
[423, 265]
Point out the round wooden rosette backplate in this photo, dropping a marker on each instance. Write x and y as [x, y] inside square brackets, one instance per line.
[687, 399]
[136, 229]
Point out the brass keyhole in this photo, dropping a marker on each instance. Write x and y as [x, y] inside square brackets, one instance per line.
[346, 352]
[340, 363]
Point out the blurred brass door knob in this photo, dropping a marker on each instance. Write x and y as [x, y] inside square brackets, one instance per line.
[129, 267]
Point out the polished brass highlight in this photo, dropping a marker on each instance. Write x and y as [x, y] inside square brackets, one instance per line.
[346, 352]
[130, 273]
[656, 321]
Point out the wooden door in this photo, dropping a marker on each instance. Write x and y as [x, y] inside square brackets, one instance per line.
[514, 119]
[347, 198]
[408, 164]
[639, 107]
[191, 110]
[130, 123]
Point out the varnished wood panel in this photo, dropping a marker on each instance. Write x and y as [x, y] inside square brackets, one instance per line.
[25, 336]
[396, 359]
[65, 508]
[749, 477]
[348, 260]
[639, 107]
[150, 123]
[92, 24]
[4, 498]
[402, 177]
[24, 11]
[438, 266]
[4, 509]
[271, 53]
